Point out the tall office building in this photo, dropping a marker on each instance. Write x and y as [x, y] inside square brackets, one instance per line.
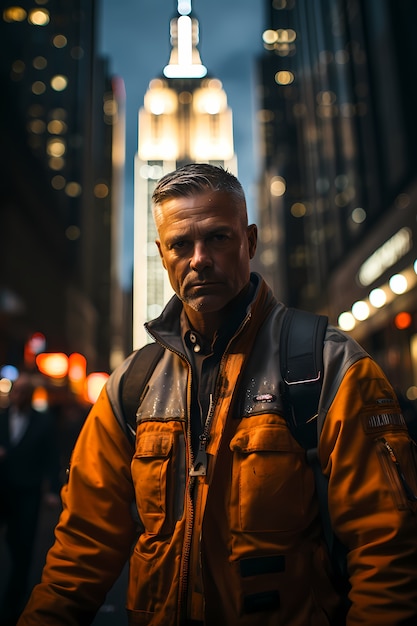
[185, 118]
[59, 115]
[339, 186]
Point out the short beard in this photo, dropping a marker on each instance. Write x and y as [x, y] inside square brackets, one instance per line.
[196, 306]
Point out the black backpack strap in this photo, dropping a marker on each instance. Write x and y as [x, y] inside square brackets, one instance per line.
[134, 380]
[301, 360]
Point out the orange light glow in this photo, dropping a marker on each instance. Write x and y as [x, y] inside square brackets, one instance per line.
[402, 320]
[40, 399]
[77, 366]
[94, 385]
[53, 364]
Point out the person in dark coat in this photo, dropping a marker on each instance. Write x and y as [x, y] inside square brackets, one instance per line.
[29, 463]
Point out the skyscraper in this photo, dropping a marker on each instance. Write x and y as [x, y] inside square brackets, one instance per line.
[58, 119]
[185, 118]
[339, 182]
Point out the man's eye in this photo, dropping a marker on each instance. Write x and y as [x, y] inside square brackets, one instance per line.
[219, 237]
[178, 245]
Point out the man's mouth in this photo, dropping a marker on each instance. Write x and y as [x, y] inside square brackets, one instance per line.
[202, 285]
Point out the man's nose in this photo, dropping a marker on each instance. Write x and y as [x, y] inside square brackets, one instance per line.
[201, 257]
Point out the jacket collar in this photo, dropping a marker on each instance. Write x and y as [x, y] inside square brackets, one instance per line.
[166, 328]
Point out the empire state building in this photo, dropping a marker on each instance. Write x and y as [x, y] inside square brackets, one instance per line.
[185, 118]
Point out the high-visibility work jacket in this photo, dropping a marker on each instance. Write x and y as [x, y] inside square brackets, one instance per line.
[241, 545]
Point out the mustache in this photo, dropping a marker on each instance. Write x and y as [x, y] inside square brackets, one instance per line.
[202, 278]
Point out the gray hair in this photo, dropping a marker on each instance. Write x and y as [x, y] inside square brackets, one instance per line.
[195, 178]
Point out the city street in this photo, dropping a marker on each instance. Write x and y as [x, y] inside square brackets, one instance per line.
[112, 613]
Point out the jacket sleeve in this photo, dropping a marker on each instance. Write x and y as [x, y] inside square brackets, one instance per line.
[96, 530]
[371, 463]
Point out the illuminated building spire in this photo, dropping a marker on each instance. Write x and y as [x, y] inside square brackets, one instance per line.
[185, 61]
[184, 118]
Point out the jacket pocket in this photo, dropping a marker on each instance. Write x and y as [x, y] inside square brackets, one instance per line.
[398, 457]
[154, 473]
[271, 482]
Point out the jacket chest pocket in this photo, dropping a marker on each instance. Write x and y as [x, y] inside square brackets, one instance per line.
[157, 477]
[271, 482]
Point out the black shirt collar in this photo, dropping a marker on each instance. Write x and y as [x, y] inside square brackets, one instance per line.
[199, 345]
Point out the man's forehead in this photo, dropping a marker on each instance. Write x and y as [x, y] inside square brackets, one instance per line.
[199, 225]
[211, 209]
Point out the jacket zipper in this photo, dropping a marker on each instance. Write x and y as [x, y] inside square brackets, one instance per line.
[199, 462]
[409, 493]
[199, 467]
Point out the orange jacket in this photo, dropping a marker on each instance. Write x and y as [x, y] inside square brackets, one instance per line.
[242, 545]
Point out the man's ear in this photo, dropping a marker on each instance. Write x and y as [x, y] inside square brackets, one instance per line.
[158, 245]
[252, 239]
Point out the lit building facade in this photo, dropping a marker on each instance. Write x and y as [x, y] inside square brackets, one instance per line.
[338, 194]
[185, 118]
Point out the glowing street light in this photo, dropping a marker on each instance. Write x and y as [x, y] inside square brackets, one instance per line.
[398, 284]
[77, 366]
[346, 321]
[52, 364]
[360, 310]
[94, 384]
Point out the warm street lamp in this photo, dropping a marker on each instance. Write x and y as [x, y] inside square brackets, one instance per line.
[52, 364]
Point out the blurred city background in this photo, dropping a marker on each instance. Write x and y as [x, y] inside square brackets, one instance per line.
[311, 102]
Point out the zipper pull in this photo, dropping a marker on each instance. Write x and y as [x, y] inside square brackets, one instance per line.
[199, 467]
[408, 491]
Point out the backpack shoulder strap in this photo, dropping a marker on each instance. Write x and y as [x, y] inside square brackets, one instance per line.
[301, 362]
[134, 381]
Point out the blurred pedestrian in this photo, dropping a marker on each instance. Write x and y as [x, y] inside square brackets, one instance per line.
[29, 463]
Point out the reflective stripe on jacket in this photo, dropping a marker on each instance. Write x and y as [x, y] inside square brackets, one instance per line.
[242, 545]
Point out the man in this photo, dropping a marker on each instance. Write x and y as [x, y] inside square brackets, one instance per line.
[230, 531]
[28, 463]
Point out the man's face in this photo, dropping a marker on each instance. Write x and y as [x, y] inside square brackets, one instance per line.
[206, 246]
